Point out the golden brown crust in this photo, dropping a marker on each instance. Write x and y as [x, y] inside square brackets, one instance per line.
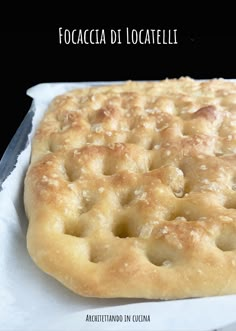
[131, 191]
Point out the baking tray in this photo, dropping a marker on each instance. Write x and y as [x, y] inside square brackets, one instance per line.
[16, 145]
[21, 139]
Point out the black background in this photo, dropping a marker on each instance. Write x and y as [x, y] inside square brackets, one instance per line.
[31, 54]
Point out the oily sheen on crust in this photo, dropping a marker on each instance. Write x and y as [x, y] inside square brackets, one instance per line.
[131, 190]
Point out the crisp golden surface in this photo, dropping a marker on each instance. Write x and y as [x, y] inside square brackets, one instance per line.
[131, 191]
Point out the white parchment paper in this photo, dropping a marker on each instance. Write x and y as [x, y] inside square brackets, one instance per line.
[32, 300]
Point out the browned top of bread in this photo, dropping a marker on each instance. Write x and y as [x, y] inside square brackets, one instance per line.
[131, 190]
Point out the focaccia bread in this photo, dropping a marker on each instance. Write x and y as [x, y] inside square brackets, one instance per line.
[131, 190]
